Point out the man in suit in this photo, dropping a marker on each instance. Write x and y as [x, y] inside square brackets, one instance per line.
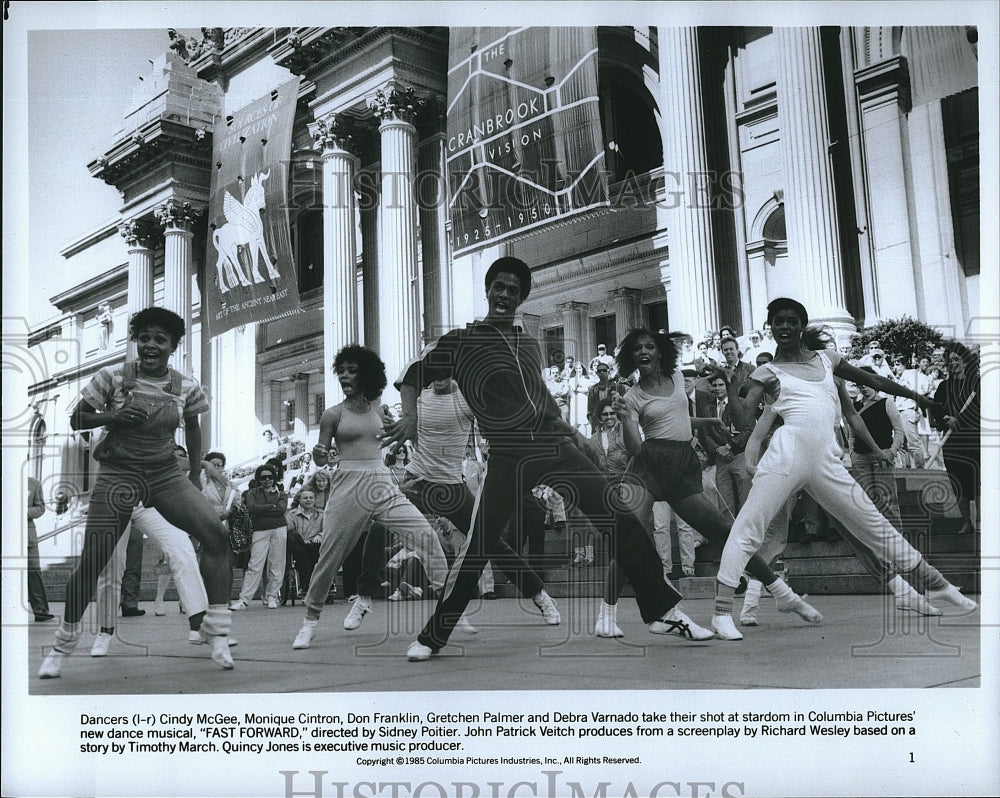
[731, 476]
[734, 360]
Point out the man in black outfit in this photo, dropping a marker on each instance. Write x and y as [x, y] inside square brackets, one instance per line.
[498, 369]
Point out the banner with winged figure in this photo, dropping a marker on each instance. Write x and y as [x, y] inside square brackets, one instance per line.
[250, 272]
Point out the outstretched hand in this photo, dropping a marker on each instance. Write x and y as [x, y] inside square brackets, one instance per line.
[926, 403]
[405, 429]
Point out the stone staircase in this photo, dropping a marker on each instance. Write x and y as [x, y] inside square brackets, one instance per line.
[927, 508]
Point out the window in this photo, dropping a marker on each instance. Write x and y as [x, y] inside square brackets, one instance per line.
[656, 316]
[961, 137]
[554, 346]
[319, 405]
[605, 332]
[309, 251]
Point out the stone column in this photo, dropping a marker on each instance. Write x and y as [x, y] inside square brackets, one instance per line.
[369, 275]
[574, 322]
[884, 97]
[693, 296]
[139, 236]
[432, 194]
[177, 218]
[399, 315]
[301, 426]
[334, 139]
[628, 311]
[810, 204]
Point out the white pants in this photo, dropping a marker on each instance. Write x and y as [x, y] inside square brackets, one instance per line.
[177, 550]
[269, 545]
[829, 483]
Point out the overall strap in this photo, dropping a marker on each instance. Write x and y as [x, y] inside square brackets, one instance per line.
[175, 381]
[130, 373]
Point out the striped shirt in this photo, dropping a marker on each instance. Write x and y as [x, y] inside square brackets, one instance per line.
[444, 422]
[104, 391]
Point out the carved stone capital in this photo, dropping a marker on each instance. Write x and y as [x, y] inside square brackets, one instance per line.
[335, 132]
[396, 103]
[177, 215]
[138, 233]
[633, 294]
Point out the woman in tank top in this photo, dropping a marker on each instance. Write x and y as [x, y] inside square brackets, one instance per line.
[657, 429]
[362, 489]
[804, 455]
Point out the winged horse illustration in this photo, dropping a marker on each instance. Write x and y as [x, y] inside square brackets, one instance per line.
[243, 228]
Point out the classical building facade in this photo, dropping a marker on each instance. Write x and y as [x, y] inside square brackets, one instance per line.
[835, 165]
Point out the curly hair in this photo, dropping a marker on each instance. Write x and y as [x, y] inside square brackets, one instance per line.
[668, 352]
[969, 357]
[371, 369]
[156, 317]
[268, 468]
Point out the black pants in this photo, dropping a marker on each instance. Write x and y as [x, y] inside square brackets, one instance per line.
[562, 466]
[304, 555]
[456, 503]
[364, 567]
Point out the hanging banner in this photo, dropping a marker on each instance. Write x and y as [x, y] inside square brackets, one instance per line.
[250, 270]
[524, 145]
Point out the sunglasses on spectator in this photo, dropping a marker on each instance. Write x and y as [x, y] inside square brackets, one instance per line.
[267, 476]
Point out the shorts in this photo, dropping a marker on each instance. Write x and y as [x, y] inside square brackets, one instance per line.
[669, 470]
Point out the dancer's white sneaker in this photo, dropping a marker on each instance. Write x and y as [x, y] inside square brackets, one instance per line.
[606, 627]
[914, 602]
[101, 645]
[547, 607]
[357, 614]
[418, 652]
[724, 628]
[220, 651]
[748, 615]
[51, 667]
[795, 603]
[677, 623]
[951, 597]
[304, 638]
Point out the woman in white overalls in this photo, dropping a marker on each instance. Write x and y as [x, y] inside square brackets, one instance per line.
[803, 455]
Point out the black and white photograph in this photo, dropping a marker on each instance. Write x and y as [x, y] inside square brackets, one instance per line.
[599, 402]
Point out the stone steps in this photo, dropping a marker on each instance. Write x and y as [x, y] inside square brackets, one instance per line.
[927, 508]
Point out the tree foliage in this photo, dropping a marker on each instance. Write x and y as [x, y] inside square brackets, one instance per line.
[904, 338]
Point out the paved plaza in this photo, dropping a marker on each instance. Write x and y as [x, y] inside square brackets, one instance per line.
[862, 643]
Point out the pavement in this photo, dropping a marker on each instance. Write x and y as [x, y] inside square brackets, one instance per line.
[863, 642]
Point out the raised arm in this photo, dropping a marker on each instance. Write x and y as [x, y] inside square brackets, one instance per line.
[860, 429]
[327, 429]
[846, 371]
[405, 428]
[630, 425]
